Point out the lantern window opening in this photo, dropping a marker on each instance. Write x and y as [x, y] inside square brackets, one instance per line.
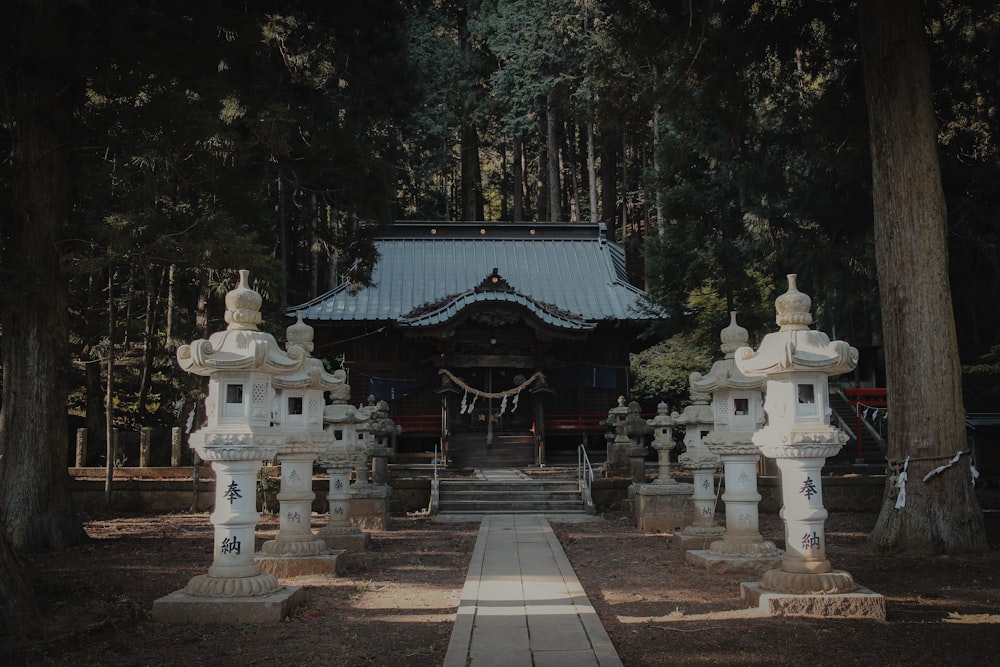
[295, 406]
[234, 394]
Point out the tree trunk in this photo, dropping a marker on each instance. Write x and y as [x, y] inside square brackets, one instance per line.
[592, 172]
[923, 373]
[19, 613]
[609, 176]
[552, 141]
[472, 182]
[36, 511]
[518, 178]
[154, 290]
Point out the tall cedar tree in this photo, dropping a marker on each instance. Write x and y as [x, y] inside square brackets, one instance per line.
[35, 508]
[941, 513]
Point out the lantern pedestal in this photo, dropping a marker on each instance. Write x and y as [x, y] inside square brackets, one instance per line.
[179, 607]
[661, 508]
[861, 603]
[703, 530]
[340, 532]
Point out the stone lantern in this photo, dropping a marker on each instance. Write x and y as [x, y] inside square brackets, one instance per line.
[370, 502]
[240, 363]
[662, 505]
[737, 406]
[299, 403]
[663, 442]
[702, 464]
[618, 442]
[797, 362]
[636, 429]
[342, 419]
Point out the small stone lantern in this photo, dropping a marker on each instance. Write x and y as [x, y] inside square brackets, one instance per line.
[797, 363]
[299, 404]
[342, 419]
[618, 442]
[240, 363]
[663, 442]
[737, 406]
[637, 429]
[370, 503]
[702, 464]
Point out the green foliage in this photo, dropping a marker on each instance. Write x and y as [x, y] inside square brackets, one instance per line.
[662, 372]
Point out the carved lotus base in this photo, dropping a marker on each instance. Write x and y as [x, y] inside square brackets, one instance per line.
[203, 585]
[306, 547]
[804, 583]
[762, 549]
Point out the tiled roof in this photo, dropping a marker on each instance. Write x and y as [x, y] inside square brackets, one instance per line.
[568, 274]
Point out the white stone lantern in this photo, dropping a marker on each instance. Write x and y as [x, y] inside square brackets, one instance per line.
[737, 406]
[701, 463]
[240, 363]
[342, 419]
[299, 404]
[797, 363]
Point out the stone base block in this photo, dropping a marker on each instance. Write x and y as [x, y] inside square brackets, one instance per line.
[664, 508]
[349, 542]
[862, 603]
[283, 567]
[725, 564]
[370, 513]
[179, 607]
[687, 542]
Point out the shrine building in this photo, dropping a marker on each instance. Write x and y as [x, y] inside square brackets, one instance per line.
[504, 343]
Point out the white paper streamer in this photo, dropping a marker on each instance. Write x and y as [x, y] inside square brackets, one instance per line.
[975, 473]
[901, 485]
[503, 405]
[463, 406]
[517, 397]
[944, 467]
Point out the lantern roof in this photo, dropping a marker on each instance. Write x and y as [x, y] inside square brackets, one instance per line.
[241, 347]
[795, 347]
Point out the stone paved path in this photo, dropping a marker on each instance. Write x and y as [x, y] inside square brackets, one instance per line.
[523, 605]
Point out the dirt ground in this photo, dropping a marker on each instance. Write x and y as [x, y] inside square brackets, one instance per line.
[394, 604]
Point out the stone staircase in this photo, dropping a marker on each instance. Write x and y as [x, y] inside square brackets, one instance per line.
[509, 496]
[871, 448]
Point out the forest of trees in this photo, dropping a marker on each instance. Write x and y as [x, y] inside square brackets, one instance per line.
[724, 143]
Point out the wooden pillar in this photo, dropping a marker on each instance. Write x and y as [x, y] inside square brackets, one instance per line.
[81, 447]
[175, 447]
[145, 436]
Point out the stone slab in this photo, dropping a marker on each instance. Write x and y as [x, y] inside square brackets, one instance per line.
[862, 603]
[350, 542]
[688, 542]
[179, 607]
[717, 564]
[283, 567]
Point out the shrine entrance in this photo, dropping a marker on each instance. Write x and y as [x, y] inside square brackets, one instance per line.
[492, 416]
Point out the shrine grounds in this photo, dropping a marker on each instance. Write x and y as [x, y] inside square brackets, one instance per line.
[393, 604]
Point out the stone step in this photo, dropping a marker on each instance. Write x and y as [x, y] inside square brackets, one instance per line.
[486, 506]
[509, 496]
[508, 486]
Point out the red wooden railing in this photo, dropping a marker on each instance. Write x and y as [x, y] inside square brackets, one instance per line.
[418, 423]
[869, 397]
